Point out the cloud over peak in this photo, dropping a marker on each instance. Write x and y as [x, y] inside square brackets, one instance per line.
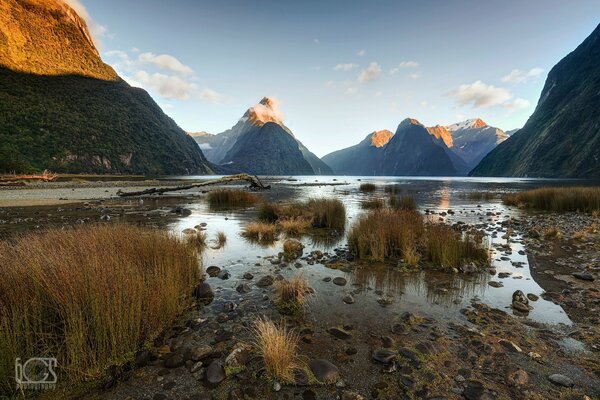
[166, 62]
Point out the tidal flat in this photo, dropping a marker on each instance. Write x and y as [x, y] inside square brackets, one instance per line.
[384, 330]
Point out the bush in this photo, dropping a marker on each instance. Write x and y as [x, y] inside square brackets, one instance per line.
[90, 296]
[448, 249]
[295, 226]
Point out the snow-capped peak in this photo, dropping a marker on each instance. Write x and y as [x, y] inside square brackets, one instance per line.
[468, 124]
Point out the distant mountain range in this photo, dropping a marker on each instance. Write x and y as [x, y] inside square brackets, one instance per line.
[562, 136]
[260, 143]
[62, 108]
[417, 150]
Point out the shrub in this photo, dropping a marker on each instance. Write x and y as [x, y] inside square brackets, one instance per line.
[277, 348]
[327, 213]
[90, 296]
[559, 199]
[478, 196]
[260, 231]
[403, 203]
[367, 187]
[225, 198]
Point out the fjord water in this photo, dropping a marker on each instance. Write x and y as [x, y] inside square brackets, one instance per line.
[439, 295]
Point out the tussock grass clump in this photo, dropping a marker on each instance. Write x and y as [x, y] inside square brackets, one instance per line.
[552, 233]
[260, 231]
[385, 234]
[393, 189]
[197, 239]
[292, 292]
[479, 196]
[90, 296]
[295, 226]
[327, 213]
[367, 187]
[559, 199]
[220, 239]
[224, 198]
[448, 249]
[277, 346]
[406, 203]
[373, 204]
[268, 212]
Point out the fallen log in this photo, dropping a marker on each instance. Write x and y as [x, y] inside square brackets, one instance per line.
[255, 183]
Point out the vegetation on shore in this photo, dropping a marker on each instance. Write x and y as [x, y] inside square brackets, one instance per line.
[296, 218]
[367, 187]
[277, 347]
[558, 199]
[226, 198]
[90, 296]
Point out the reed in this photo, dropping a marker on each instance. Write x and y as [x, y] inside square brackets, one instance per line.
[295, 226]
[220, 239]
[406, 203]
[447, 248]
[327, 213]
[268, 212]
[373, 204]
[90, 296]
[558, 199]
[260, 231]
[225, 198]
[367, 187]
[293, 291]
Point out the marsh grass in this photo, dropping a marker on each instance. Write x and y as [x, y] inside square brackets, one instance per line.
[558, 199]
[228, 198]
[386, 235]
[290, 296]
[393, 189]
[406, 203]
[197, 239]
[268, 212]
[295, 226]
[260, 231]
[479, 196]
[90, 296]
[327, 213]
[277, 347]
[552, 233]
[373, 204]
[367, 187]
[220, 239]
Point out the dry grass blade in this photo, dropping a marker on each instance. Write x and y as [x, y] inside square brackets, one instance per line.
[277, 346]
[559, 199]
[224, 198]
[260, 231]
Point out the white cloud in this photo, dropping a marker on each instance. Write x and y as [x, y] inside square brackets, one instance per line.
[167, 86]
[394, 71]
[518, 76]
[371, 73]
[166, 62]
[212, 96]
[96, 30]
[480, 95]
[408, 64]
[205, 146]
[361, 53]
[415, 75]
[345, 67]
[351, 90]
[516, 104]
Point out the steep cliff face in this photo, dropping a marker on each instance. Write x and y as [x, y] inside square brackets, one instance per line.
[365, 158]
[63, 109]
[473, 139]
[562, 136]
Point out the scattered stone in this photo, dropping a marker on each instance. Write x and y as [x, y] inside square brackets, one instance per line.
[213, 271]
[224, 274]
[293, 249]
[532, 297]
[203, 291]
[338, 280]
[387, 341]
[384, 356]
[215, 373]
[584, 276]
[265, 281]
[276, 386]
[174, 360]
[518, 377]
[327, 279]
[510, 346]
[348, 299]
[200, 353]
[248, 276]
[473, 390]
[347, 395]
[324, 371]
[561, 380]
[339, 333]
[243, 288]
[495, 284]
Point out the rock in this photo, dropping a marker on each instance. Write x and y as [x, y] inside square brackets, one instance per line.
[473, 390]
[215, 373]
[248, 276]
[200, 353]
[324, 371]
[174, 360]
[584, 276]
[301, 377]
[276, 386]
[239, 355]
[338, 280]
[519, 296]
[561, 380]
[517, 305]
[518, 377]
[348, 299]
[339, 333]
[510, 346]
[189, 231]
[384, 356]
[495, 284]
[411, 355]
[243, 288]
[213, 271]
[203, 291]
[327, 279]
[387, 341]
[265, 281]
[224, 274]
[347, 395]
[532, 297]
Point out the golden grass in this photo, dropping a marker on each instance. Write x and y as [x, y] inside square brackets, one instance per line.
[295, 226]
[327, 213]
[260, 231]
[90, 296]
[268, 212]
[406, 203]
[552, 233]
[220, 239]
[277, 347]
[224, 198]
[197, 239]
[384, 235]
[393, 189]
[559, 199]
[367, 187]
[293, 291]
[479, 196]
[372, 204]
[580, 235]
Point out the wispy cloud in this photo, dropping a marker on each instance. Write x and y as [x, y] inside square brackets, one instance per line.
[415, 75]
[212, 96]
[361, 52]
[518, 76]
[166, 62]
[371, 73]
[480, 95]
[351, 90]
[167, 86]
[345, 67]
[408, 64]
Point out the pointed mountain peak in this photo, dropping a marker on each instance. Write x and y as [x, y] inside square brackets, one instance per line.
[381, 138]
[408, 122]
[267, 110]
[474, 123]
[442, 132]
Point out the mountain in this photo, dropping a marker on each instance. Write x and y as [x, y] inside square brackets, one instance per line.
[225, 147]
[414, 151]
[473, 139]
[365, 158]
[62, 108]
[562, 136]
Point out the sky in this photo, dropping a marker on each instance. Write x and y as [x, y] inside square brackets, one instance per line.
[340, 69]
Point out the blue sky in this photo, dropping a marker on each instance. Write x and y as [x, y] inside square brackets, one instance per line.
[341, 69]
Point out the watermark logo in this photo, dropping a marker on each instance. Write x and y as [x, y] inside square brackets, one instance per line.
[36, 373]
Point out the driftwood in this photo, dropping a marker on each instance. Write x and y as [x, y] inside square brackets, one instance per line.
[46, 177]
[255, 183]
